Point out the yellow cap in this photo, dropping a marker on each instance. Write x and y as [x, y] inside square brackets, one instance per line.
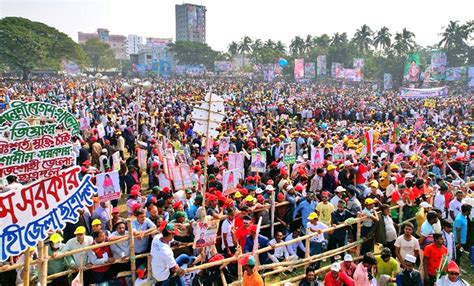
[369, 201]
[80, 230]
[312, 216]
[374, 183]
[331, 167]
[56, 237]
[237, 195]
[249, 198]
[96, 222]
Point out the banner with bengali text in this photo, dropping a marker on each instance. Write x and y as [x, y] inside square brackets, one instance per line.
[423, 92]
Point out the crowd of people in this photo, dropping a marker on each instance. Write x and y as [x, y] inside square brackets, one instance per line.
[409, 184]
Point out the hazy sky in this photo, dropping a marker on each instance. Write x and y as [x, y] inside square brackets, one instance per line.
[229, 20]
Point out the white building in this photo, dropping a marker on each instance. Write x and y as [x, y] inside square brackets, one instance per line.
[133, 44]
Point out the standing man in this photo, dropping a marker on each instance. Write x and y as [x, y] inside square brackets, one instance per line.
[406, 244]
[460, 231]
[432, 258]
[251, 276]
[80, 241]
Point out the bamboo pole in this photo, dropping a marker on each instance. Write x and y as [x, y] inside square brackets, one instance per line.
[358, 234]
[239, 267]
[26, 267]
[148, 268]
[273, 215]
[132, 250]
[206, 156]
[43, 267]
[224, 282]
[308, 247]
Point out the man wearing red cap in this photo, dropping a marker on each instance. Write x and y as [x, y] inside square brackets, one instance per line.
[452, 278]
[262, 242]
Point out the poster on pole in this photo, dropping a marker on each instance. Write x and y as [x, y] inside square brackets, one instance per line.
[85, 123]
[259, 161]
[141, 154]
[100, 130]
[230, 180]
[317, 157]
[236, 161]
[299, 69]
[337, 70]
[289, 153]
[108, 186]
[456, 74]
[116, 161]
[412, 68]
[205, 233]
[321, 65]
[387, 81]
[358, 69]
[181, 177]
[309, 70]
[224, 144]
[438, 65]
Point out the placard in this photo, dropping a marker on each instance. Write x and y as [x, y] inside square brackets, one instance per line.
[205, 233]
[108, 186]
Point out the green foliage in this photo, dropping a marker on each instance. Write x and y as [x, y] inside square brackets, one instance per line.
[27, 45]
[194, 53]
[100, 55]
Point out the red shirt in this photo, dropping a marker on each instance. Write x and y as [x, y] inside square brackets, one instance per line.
[241, 234]
[361, 173]
[434, 256]
[343, 280]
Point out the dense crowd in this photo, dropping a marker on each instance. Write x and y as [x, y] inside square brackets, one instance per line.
[410, 186]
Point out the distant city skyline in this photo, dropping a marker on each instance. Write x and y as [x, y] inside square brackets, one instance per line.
[231, 20]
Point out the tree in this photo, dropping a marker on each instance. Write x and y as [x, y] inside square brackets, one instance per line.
[454, 41]
[363, 38]
[280, 47]
[339, 39]
[194, 53]
[297, 46]
[245, 47]
[383, 38]
[404, 42]
[101, 56]
[233, 48]
[269, 44]
[26, 45]
[257, 44]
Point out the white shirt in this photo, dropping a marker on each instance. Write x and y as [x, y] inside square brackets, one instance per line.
[292, 248]
[439, 203]
[316, 227]
[279, 252]
[407, 246]
[455, 207]
[448, 242]
[390, 231]
[162, 259]
[73, 244]
[227, 228]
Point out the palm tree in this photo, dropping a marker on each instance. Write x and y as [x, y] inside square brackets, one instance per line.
[404, 42]
[297, 46]
[362, 38]
[280, 48]
[339, 39]
[322, 41]
[269, 44]
[257, 44]
[245, 47]
[308, 43]
[233, 48]
[455, 34]
[383, 38]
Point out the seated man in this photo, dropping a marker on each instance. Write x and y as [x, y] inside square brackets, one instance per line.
[296, 248]
[280, 253]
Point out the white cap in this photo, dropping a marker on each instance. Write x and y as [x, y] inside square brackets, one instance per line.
[336, 267]
[410, 258]
[409, 175]
[348, 257]
[340, 189]
[383, 155]
[425, 205]
[347, 163]
[104, 150]
[269, 188]
[258, 191]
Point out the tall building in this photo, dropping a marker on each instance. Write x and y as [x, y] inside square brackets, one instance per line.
[191, 23]
[133, 44]
[118, 43]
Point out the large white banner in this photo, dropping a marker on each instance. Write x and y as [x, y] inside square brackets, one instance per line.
[423, 92]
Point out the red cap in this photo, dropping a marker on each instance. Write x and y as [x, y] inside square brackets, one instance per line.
[453, 267]
[244, 192]
[299, 188]
[152, 141]
[134, 192]
[93, 138]
[283, 171]
[86, 163]
[83, 169]
[302, 172]
[197, 168]
[218, 193]
[136, 206]
[211, 197]
[257, 178]
[116, 210]
[155, 152]
[177, 204]
[253, 228]
[154, 165]
[260, 198]
[222, 199]
[107, 142]
[325, 194]
[273, 164]
[280, 196]
[250, 179]
[166, 190]
[217, 257]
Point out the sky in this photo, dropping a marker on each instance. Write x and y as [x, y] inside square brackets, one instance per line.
[230, 20]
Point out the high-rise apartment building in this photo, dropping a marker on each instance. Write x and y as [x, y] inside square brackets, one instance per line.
[191, 23]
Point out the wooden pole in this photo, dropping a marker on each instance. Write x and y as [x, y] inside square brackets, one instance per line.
[26, 267]
[239, 267]
[132, 250]
[148, 268]
[308, 248]
[224, 282]
[206, 154]
[358, 233]
[273, 214]
[255, 243]
[43, 275]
